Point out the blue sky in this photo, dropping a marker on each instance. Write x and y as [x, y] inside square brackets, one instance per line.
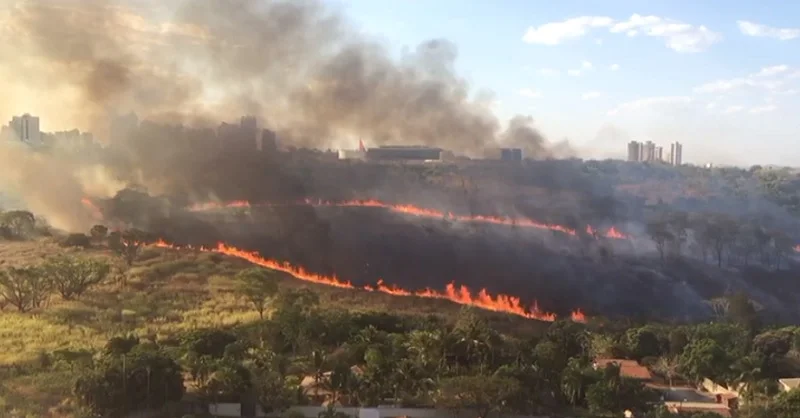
[720, 76]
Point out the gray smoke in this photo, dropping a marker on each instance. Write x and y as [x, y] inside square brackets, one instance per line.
[297, 65]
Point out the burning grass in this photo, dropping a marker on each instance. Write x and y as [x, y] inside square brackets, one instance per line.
[163, 293]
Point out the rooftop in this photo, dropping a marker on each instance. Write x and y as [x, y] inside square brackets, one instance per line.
[627, 368]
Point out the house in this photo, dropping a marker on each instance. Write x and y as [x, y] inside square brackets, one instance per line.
[318, 391]
[627, 368]
[786, 385]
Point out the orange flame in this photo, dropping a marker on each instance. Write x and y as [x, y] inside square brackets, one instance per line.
[96, 212]
[422, 212]
[458, 294]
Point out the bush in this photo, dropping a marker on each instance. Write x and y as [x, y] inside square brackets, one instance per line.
[77, 240]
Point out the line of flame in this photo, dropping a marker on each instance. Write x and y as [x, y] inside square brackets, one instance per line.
[458, 294]
[417, 211]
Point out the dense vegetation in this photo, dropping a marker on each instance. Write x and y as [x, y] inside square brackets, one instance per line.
[367, 358]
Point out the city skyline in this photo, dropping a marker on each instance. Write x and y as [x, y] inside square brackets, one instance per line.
[668, 70]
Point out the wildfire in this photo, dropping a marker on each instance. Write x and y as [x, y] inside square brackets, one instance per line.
[96, 212]
[454, 293]
[421, 212]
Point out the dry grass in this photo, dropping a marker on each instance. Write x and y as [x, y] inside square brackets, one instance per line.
[165, 292]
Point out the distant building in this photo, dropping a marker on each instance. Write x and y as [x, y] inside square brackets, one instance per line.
[676, 153]
[511, 154]
[352, 154]
[634, 151]
[649, 151]
[26, 129]
[403, 153]
[659, 154]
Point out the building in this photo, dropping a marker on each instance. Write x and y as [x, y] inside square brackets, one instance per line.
[352, 154]
[26, 129]
[659, 154]
[649, 151]
[788, 384]
[511, 154]
[676, 153]
[634, 151]
[627, 368]
[404, 153]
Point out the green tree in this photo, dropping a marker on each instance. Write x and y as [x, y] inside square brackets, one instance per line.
[72, 276]
[259, 286]
[668, 367]
[25, 288]
[140, 380]
[483, 394]
[704, 358]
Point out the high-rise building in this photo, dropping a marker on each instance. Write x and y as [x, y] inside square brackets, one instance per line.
[659, 154]
[649, 151]
[676, 153]
[26, 129]
[634, 150]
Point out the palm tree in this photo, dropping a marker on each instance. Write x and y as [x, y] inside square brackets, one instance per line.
[573, 381]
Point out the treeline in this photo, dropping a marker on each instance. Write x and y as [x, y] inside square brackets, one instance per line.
[719, 238]
[300, 354]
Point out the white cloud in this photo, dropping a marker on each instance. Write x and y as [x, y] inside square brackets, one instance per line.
[549, 72]
[734, 109]
[678, 36]
[763, 109]
[598, 41]
[770, 71]
[586, 65]
[711, 105]
[574, 73]
[767, 78]
[591, 95]
[649, 102]
[555, 33]
[614, 67]
[529, 93]
[764, 31]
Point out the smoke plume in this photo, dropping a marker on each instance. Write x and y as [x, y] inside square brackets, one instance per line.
[297, 65]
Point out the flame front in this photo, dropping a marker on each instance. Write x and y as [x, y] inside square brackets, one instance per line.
[454, 293]
[421, 212]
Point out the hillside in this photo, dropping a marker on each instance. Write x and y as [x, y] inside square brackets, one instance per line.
[164, 294]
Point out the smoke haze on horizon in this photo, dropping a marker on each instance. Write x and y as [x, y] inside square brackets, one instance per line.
[297, 65]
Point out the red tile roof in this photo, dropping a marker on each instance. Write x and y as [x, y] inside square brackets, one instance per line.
[627, 368]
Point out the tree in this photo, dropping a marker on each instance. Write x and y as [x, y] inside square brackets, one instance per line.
[667, 367]
[258, 286]
[72, 276]
[742, 312]
[20, 223]
[127, 244]
[98, 232]
[140, 380]
[704, 358]
[77, 240]
[25, 288]
[484, 394]
[660, 234]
